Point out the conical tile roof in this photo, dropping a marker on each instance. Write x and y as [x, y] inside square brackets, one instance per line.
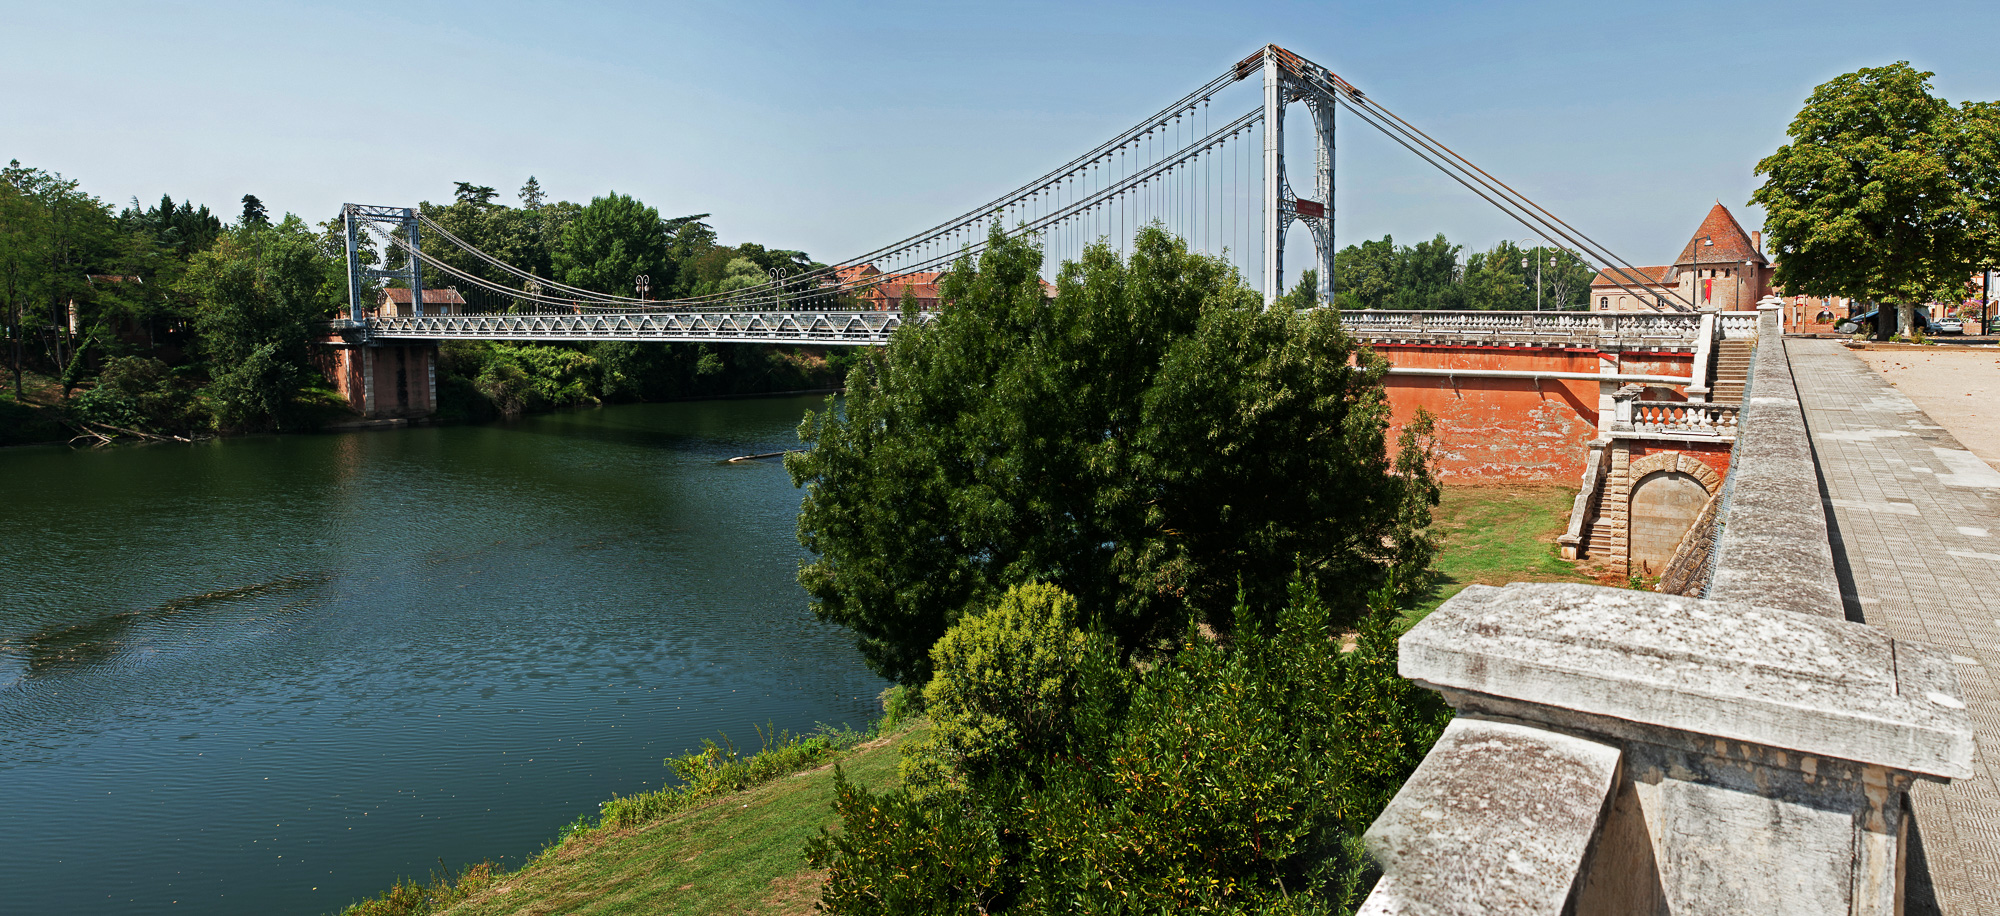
[1731, 243]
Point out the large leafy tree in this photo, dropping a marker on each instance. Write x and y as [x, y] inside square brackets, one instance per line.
[259, 290]
[60, 235]
[1876, 197]
[1152, 440]
[611, 242]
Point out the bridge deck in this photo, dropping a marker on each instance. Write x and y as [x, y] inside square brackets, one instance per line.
[841, 329]
[1916, 540]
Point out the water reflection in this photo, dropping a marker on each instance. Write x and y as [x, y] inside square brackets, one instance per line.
[65, 646]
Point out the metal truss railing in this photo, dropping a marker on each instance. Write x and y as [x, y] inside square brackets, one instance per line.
[852, 329]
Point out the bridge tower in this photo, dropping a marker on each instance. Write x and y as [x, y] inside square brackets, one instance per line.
[352, 216]
[1289, 78]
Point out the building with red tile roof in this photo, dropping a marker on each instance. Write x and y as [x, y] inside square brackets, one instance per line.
[1722, 268]
[395, 302]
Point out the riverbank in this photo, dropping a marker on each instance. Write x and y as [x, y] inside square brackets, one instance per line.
[33, 418]
[37, 419]
[728, 852]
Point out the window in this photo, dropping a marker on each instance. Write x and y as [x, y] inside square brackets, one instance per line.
[1603, 302]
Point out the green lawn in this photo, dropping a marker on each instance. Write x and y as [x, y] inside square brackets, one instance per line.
[1496, 535]
[740, 853]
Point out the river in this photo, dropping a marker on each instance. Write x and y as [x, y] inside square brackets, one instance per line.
[272, 674]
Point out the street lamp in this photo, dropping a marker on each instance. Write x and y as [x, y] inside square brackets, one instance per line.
[1538, 271]
[1707, 241]
[644, 283]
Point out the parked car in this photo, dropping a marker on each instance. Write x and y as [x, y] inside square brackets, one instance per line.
[1951, 326]
[1860, 323]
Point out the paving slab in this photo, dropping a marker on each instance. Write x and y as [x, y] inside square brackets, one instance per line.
[1914, 518]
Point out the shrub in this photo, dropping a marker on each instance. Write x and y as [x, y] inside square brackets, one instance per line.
[1230, 777]
[137, 392]
[1009, 680]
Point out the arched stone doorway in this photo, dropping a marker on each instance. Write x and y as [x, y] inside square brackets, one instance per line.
[1664, 505]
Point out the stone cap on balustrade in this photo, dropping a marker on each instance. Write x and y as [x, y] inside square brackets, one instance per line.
[1710, 669]
[1498, 818]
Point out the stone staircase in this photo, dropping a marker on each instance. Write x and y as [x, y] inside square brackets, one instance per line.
[1732, 369]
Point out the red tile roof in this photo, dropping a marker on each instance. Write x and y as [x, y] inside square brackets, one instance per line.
[1731, 243]
[447, 296]
[1651, 275]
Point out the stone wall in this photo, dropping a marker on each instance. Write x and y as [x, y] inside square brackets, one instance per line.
[1774, 549]
[1516, 429]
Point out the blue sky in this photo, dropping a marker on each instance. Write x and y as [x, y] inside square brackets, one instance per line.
[837, 127]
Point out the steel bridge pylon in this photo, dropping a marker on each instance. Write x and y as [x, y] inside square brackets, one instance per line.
[1290, 78]
[352, 216]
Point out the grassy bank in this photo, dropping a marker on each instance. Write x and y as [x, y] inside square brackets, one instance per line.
[729, 840]
[1500, 534]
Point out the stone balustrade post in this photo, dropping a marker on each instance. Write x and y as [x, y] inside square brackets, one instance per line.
[1621, 407]
[1627, 752]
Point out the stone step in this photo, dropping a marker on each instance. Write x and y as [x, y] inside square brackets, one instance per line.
[1597, 540]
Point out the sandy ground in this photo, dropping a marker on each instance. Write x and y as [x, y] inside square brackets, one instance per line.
[1960, 389]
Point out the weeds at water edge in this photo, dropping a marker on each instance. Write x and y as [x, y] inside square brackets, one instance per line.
[713, 771]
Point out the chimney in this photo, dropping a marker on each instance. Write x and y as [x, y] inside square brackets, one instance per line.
[1757, 240]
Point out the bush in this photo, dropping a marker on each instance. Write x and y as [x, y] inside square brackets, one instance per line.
[1009, 681]
[484, 379]
[137, 392]
[255, 391]
[1231, 777]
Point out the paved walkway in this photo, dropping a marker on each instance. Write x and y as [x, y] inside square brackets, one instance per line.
[1916, 539]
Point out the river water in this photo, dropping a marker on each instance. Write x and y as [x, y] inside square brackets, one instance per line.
[270, 675]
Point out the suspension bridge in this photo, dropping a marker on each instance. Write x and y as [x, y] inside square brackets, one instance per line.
[1525, 390]
[1210, 168]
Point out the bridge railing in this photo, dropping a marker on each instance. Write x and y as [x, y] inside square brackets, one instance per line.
[1677, 327]
[828, 328]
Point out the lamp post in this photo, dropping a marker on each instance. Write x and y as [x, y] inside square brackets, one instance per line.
[643, 283]
[1707, 241]
[1538, 271]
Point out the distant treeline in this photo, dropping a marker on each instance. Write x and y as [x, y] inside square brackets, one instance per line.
[1438, 275]
[165, 318]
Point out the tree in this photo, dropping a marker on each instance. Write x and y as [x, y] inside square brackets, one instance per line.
[21, 231]
[1152, 440]
[612, 241]
[531, 194]
[1876, 196]
[259, 291]
[478, 195]
[253, 212]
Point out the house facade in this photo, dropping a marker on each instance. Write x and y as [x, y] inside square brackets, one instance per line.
[1722, 268]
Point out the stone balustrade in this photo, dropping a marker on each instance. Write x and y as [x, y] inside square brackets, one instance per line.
[1685, 418]
[1738, 325]
[1629, 752]
[1675, 330]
